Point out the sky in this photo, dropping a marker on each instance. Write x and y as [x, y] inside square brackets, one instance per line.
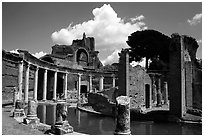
[36, 27]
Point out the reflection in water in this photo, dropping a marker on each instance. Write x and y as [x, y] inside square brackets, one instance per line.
[98, 125]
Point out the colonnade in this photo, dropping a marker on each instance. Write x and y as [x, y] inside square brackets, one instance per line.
[159, 88]
[45, 78]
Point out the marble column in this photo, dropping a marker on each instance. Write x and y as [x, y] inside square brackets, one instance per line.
[45, 86]
[165, 93]
[35, 94]
[32, 113]
[159, 95]
[55, 86]
[90, 84]
[113, 81]
[65, 85]
[79, 87]
[101, 83]
[26, 83]
[154, 90]
[44, 113]
[20, 79]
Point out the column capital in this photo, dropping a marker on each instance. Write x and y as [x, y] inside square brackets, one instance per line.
[113, 75]
[28, 64]
[79, 74]
[37, 68]
[21, 62]
[101, 76]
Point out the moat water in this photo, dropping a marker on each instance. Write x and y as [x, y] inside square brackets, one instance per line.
[94, 124]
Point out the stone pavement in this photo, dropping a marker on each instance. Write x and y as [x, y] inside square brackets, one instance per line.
[11, 127]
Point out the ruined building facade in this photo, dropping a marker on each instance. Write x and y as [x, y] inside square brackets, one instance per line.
[81, 54]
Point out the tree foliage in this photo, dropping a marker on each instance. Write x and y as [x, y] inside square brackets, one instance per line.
[148, 44]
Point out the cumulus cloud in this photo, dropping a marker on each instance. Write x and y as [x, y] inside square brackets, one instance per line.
[109, 30]
[113, 58]
[137, 18]
[39, 54]
[195, 20]
[199, 41]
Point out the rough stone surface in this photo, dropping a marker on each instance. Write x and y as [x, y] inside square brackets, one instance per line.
[32, 113]
[62, 125]
[101, 103]
[122, 116]
[182, 75]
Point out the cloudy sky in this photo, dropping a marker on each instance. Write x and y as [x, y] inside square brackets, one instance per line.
[36, 27]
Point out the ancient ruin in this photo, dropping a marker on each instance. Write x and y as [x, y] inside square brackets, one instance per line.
[72, 74]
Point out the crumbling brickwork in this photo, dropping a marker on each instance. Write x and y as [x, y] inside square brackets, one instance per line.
[182, 75]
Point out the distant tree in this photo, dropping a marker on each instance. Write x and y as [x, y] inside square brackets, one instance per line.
[148, 44]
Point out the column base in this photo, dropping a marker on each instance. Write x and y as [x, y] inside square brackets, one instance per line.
[122, 132]
[44, 100]
[31, 120]
[62, 128]
[19, 115]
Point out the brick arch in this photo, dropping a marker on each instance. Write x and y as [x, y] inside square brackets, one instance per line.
[78, 52]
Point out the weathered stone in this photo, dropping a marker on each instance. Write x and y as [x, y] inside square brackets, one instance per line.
[32, 113]
[19, 113]
[123, 116]
[62, 125]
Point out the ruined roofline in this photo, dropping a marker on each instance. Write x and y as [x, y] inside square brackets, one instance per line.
[186, 37]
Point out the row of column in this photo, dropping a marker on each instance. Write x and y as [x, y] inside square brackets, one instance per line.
[156, 91]
[20, 83]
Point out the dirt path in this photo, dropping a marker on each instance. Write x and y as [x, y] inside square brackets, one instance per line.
[11, 127]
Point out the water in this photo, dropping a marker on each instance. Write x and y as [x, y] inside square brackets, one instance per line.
[99, 125]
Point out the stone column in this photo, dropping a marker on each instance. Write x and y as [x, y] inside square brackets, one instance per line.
[26, 83]
[154, 90]
[101, 83]
[32, 113]
[55, 86]
[20, 79]
[15, 95]
[45, 86]
[79, 87]
[36, 84]
[90, 84]
[65, 85]
[113, 80]
[165, 93]
[44, 107]
[123, 116]
[159, 95]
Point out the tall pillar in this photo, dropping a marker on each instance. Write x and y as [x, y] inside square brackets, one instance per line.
[55, 86]
[36, 84]
[90, 84]
[154, 90]
[26, 83]
[113, 81]
[65, 85]
[159, 95]
[45, 86]
[79, 87]
[101, 83]
[20, 79]
[165, 93]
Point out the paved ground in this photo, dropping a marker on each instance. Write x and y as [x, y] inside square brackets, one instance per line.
[11, 127]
